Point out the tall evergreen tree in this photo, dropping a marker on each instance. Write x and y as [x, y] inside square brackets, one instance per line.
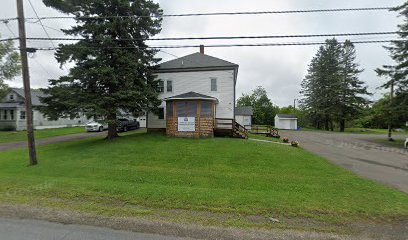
[113, 70]
[352, 90]
[332, 90]
[397, 74]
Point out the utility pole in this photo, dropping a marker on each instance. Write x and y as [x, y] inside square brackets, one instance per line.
[26, 81]
[391, 100]
[294, 104]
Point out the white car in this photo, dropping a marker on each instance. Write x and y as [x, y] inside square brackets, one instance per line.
[406, 143]
[95, 127]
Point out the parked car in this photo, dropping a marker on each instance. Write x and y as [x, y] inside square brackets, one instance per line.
[96, 127]
[406, 143]
[125, 124]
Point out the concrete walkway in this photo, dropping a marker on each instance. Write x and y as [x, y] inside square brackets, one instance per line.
[359, 153]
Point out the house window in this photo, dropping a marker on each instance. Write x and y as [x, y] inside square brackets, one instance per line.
[191, 109]
[5, 115]
[11, 96]
[169, 86]
[206, 109]
[161, 113]
[12, 114]
[213, 84]
[22, 115]
[181, 109]
[160, 87]
[169, 109]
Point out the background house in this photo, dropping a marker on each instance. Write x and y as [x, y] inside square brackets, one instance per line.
[198, 93]
[243, 115]
[13, 114]
[286, 121]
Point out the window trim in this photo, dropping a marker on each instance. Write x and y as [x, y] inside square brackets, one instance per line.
[160, 89]
[215, 84]
[167, 85]
[23, 115]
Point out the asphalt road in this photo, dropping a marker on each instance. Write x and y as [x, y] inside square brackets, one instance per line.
[16, 229]
[52, 140]
[360, 154]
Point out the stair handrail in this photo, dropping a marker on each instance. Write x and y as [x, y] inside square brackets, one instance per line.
[241, 129]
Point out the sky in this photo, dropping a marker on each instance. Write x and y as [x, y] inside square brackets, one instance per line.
[279, 70]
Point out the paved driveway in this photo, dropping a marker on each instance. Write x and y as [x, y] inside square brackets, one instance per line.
[58, 139]
[360, 154]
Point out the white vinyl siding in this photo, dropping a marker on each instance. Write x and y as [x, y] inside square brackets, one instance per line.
[200, 82]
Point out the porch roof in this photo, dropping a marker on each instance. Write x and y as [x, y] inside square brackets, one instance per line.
[191, 96]
[9, 105]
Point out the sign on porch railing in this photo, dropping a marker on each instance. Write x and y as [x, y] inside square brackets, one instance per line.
[186, 124]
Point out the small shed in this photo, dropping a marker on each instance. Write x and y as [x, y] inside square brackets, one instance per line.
[243, 116]
[286, 121]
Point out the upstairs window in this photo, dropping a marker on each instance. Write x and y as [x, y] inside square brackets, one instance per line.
[213, 84]
[169, 86]
[11, 96]
[160, 87]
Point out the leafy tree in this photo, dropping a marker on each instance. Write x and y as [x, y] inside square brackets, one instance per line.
[332, 90]
[397, 73]
[113, 71]
[263, 110]
[9, 65]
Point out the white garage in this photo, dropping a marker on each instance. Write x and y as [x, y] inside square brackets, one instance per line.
[286, 122]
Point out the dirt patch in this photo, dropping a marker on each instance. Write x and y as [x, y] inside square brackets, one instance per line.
[160, 225]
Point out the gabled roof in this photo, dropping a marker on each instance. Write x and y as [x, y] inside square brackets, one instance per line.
[191, 95]
[244, 111]
[287, 116]
[35, 95]
[195, 61]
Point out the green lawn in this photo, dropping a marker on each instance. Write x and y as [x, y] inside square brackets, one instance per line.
[141, 173]
[18, 136]
[396, 143]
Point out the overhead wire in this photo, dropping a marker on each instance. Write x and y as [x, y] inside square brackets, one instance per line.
[43, 27]
[215, 13]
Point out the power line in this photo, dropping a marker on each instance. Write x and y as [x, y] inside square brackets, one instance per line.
[216, 13]
[46, 26]
[39, 20]
[8, 27]
[220, 45]
[226, 38]
[43, 27]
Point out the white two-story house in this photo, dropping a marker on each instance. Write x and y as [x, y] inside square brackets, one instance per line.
[198, 93]
[13, 113]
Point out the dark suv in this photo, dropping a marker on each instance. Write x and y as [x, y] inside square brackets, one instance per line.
[125, 124]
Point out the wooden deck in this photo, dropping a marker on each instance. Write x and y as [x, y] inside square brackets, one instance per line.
[229, 127]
